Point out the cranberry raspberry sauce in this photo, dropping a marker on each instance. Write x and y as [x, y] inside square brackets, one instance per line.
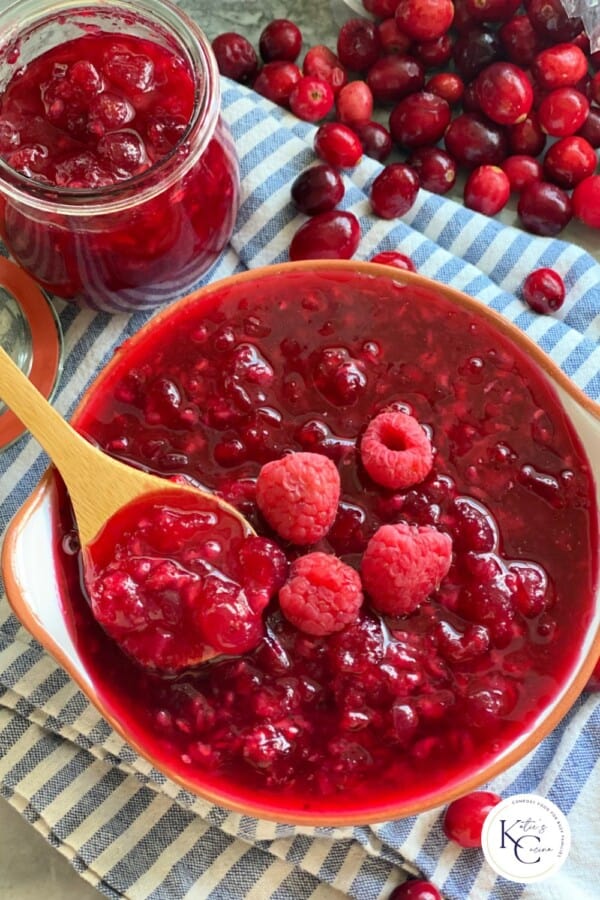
[388, 706]
[118, 179]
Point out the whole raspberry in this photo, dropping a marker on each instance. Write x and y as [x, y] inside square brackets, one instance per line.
[298, 496]
[395, 450]
[322, 594]
[403, 564]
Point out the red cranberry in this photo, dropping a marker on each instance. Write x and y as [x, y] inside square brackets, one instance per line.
[590, 130]
[311, 99]
[586, 201]
[464, 818]
[492, 10]
[594, 93]
[551, 21]
[487, 190]
[521, 169]
[394, 191]
[381, 8]
[520, 40]
[424, 20]
[354, 103]
[475, 141]
[281, 39]
[544, 208]
[321, 62]
[563, 111]
[474, 50]
[236, 57]
[338, 144]
[419, 119]
[448, 85]
[569, 161]
[317, 189]
[358, 44]
[329, 235]
[526, 137]
[394, 77]
[277, 80]
[375, 139]
[436, 168]
[504, 93]
[544, 290]
[392, 40]
[435, 54]
[563, 65]
[395, 259]
[416, 889]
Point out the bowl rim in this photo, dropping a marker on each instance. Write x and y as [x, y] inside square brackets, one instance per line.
[220, 797]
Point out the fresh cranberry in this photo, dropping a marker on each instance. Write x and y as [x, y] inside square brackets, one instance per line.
[424, 20]
[236, 57]
[544, 208]
[473, 140]
[419, 119]
[436, 168]
[338, 144]
[393, 77]
[594, 88]
[520, 40]
[329, 235]
[569, 160]
[526, 137]
[436, 53]
[394, 191]
[563, 111]
[448, 85]
[358, 44]
[281, 39]
[563, 65]
[551, 21]
[474, 50]
[354, 103]
[504, 93]
[492, 10]
[277, 80]
[391, 39]
[311, 99]
[487, 190]
[375, 139]
[381, 8]
[321, 62]
[415, 889]
[396, 259]
[317, 189]
[586, 201]
[544, 290]
[464, 818]
[590, 130]
[521, 169]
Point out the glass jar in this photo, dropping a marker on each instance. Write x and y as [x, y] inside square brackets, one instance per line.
[138, 241]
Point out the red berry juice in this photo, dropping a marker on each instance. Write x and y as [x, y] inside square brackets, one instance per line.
[122, 186]
[387, 708]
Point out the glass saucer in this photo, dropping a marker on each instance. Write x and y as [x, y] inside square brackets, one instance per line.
[31, 335]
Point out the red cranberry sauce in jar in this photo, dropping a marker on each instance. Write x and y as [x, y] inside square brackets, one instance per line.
[107, 119]
[407, 705]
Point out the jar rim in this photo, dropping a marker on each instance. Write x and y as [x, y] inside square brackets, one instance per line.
[146, 185]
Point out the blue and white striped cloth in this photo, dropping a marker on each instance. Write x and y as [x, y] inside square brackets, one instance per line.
[126, 828]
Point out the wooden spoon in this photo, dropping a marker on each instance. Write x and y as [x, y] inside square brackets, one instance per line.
[98, 485]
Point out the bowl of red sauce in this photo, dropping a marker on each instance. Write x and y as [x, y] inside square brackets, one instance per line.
[400, 708]
[119, 182]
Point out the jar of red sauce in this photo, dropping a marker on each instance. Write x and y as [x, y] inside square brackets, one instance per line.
[119, 182]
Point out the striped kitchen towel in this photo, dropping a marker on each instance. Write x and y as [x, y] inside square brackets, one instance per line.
[125, 827]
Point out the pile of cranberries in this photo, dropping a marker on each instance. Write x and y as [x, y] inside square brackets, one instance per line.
[504, 91]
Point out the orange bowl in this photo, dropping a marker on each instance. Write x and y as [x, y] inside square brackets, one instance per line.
[46, 600]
